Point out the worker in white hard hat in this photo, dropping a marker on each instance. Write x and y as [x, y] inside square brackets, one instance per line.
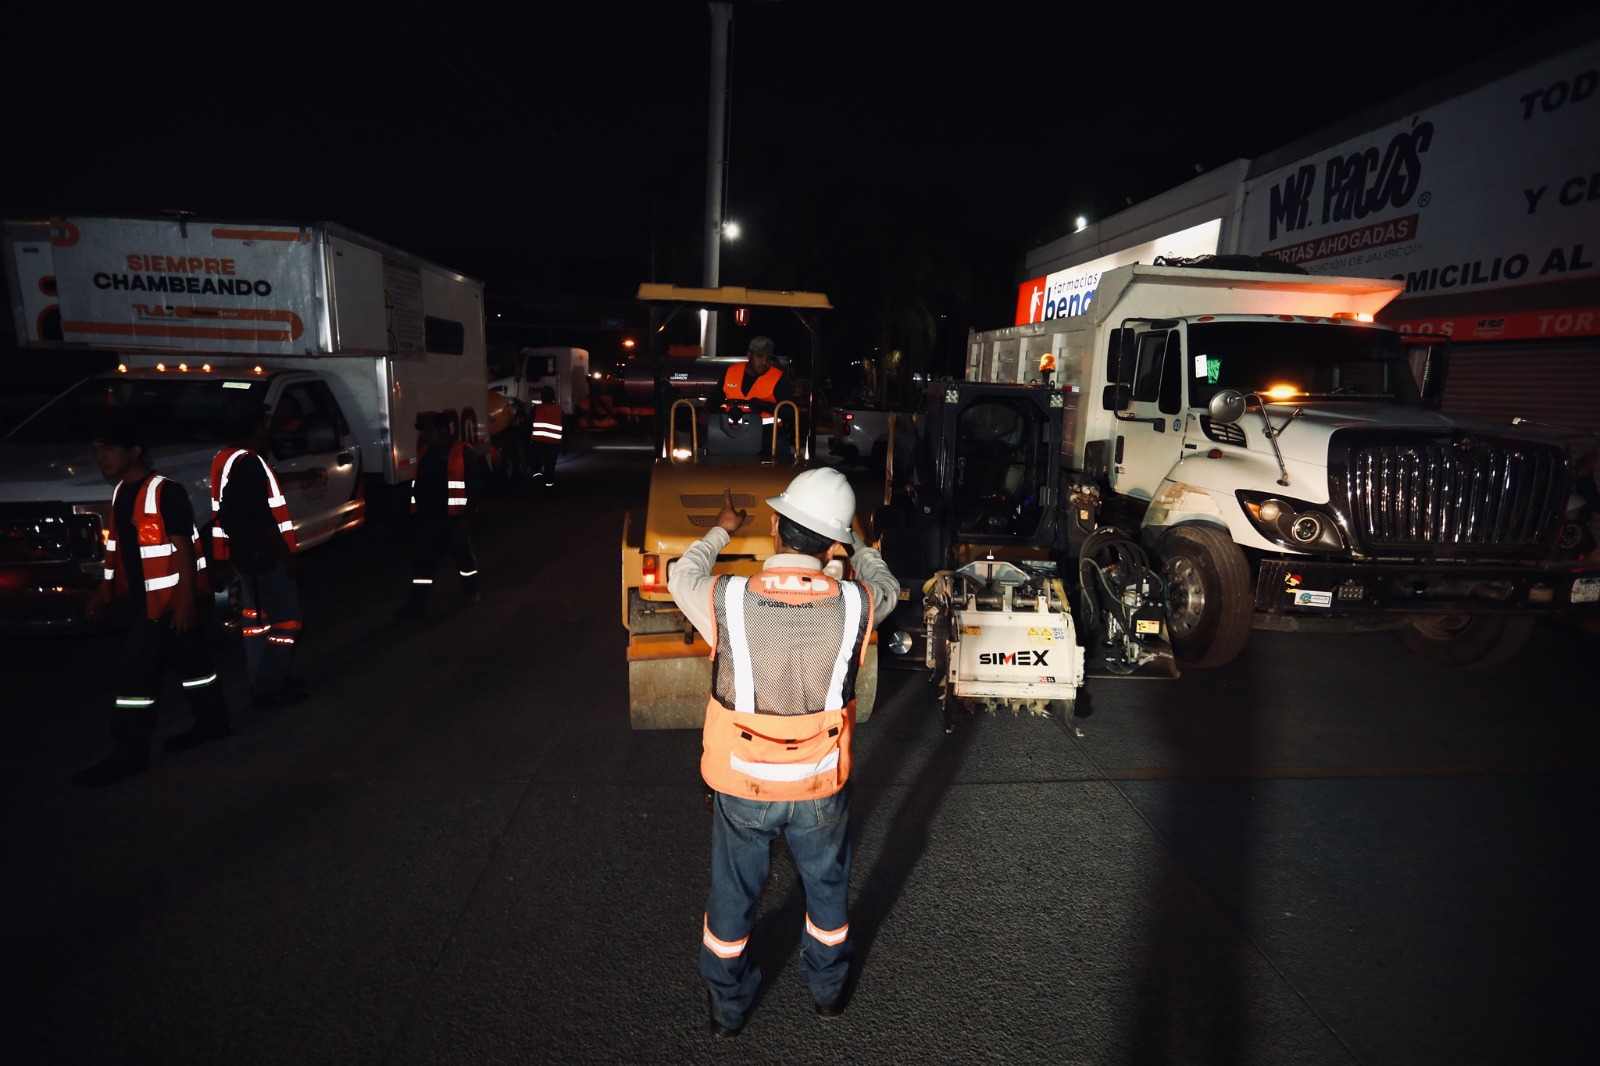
[786, 645]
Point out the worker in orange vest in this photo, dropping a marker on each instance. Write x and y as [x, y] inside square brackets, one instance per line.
[756, 386]
[786, 645]
[546, 434]
[153, 556]
[444, 499]
[253, 533]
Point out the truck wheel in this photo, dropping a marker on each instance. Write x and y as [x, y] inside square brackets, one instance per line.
[1472, 640]
[1209, 605]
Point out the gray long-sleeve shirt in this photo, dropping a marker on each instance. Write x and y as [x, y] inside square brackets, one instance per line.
[690, 583]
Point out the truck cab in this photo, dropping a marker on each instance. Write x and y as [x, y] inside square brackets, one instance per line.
[1288, 464]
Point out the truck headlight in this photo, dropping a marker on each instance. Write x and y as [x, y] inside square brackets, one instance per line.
[1294, 523]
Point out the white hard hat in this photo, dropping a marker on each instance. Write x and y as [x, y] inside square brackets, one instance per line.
[822, 501]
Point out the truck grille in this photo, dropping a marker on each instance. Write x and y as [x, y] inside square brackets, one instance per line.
[1465, 492]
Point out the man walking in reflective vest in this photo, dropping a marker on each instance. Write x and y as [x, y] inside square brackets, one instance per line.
[252, 530]
[786, 645]
[153, 556]
[545, 435]
[444, 499]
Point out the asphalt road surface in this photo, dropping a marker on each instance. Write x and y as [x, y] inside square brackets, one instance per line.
[458, 852]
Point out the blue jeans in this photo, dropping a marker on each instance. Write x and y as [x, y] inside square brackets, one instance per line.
[742, 832]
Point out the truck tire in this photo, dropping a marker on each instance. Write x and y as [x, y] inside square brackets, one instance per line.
[1469, 640]
[1209, 604]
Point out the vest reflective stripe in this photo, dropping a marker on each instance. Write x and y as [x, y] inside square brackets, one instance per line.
[744, 682]
[199, 682]
[842, 665]
[455, 501]
[828, 764]
[158, 556]
[830, 937]
[546, 422]
[221, 468]
[722, 949]
[135, 701]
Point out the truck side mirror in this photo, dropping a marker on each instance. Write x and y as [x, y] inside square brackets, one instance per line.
[1225, 407]
[1116, 397]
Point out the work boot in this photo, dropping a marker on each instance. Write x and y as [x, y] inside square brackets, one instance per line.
[111, 769]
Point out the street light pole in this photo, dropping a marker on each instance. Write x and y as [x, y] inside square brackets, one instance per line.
[716, 162]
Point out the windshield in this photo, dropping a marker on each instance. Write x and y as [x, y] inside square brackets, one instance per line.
[169, 409]
[1297, 360]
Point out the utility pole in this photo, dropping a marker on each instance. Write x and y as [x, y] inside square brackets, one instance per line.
[716, 162]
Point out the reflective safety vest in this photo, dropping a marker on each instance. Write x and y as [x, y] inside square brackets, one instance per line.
[221, 467]
[455, 481]
[763, 389]
[786, 648]
[546, 423]
[158, 556]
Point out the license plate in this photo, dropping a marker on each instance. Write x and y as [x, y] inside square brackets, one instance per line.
[1586, 590]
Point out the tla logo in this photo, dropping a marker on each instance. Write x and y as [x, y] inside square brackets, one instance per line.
[1013, 658]
[1354, 185]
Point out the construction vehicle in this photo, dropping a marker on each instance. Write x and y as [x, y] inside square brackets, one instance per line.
[1286, 464]
[705, 448]
[974, 534]
[345, 341]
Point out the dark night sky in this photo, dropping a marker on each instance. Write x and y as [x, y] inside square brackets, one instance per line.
[563, 147]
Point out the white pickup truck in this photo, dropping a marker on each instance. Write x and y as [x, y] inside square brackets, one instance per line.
[863, 436]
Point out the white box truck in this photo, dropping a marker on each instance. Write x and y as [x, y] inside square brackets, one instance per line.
[564, 370]
[1287, 464]
[346, 341]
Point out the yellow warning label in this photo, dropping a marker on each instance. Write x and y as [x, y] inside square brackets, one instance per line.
[1041, 635]
[971, 631]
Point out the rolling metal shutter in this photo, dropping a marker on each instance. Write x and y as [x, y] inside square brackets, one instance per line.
[1547, 383]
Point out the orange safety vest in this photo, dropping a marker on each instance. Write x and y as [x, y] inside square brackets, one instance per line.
[221, 467]
[158, 556]
[455, 483]
[546, 422]
[763, 389]
[777, 753]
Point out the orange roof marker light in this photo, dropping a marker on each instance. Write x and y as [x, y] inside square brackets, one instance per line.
[1282, 392]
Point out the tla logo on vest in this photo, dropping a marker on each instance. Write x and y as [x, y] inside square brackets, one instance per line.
[793, 583]
[1026, 657]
